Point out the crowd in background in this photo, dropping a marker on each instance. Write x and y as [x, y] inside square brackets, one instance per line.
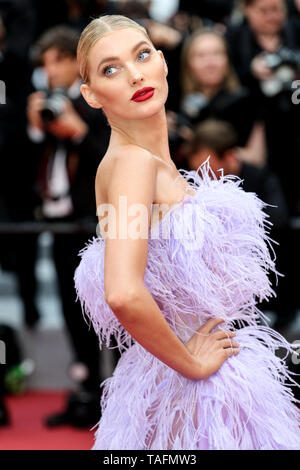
[233, 68]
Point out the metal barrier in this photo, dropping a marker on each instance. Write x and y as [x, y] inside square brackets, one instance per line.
[82, 227]
[9, 228]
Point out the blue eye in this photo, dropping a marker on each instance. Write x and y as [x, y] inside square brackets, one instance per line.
[146, 51]
[107, 68]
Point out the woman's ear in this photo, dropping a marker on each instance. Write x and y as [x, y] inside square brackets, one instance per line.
[164, 61]
[90, 97]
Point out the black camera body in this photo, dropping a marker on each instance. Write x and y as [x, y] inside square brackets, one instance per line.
[284, 56]
[54, 105]
[285, 65]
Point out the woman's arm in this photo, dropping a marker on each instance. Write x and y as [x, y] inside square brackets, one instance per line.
[134, 178]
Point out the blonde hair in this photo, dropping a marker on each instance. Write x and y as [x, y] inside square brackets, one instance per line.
[97, 29]
[188, 83]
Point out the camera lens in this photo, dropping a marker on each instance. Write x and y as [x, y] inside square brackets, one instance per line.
[53, 107]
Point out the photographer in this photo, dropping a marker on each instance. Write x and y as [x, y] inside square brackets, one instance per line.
[67, 140]
[264, 31]
[265, 48]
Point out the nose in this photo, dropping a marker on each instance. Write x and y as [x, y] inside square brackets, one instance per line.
[51, 73]
[135, 75]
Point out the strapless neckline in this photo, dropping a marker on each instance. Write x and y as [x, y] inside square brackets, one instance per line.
[186, 198]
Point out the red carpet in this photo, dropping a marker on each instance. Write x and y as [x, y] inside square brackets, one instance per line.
[27, 430]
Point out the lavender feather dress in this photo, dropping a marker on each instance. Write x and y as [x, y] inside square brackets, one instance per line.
[208, 257]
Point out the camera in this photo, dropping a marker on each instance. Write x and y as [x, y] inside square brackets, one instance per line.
[192, 104]
[285, 63]
[54, 105]
[284, 56]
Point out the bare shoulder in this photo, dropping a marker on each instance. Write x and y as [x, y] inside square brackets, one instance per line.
[131, 155]
[128, 185]
[123, 167]
[133, 173]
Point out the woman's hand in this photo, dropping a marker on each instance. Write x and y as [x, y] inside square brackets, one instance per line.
[210, 350]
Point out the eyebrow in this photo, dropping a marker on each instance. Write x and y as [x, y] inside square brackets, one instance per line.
[107, 59]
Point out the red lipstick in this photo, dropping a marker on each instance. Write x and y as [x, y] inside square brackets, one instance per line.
[143, 94]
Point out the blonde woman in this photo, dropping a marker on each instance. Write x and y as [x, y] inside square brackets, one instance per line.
[211, 89]
[174, 265]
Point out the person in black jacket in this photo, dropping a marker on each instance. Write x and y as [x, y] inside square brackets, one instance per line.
[219, 140]
[264, 28]
[216, 10]
[67, 140]
[265, 47]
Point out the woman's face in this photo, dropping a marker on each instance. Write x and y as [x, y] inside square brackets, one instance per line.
[208, 61]
[266, 16]
[137, 64]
